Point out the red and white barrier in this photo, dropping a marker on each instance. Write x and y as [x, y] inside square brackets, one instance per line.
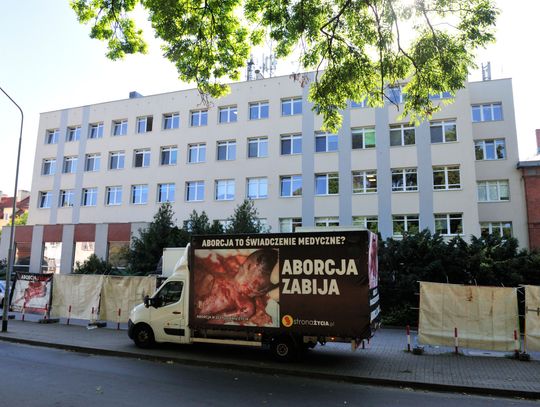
[408, 330]
[69, 315]
[118, 321]
[456, 341]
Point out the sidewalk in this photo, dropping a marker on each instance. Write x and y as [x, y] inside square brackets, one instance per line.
[383, 362]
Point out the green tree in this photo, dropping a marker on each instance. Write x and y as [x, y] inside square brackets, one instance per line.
[360, 43]
[200, 225]
[21, 220]
[147, 248]
[95, 265]
[245, 219]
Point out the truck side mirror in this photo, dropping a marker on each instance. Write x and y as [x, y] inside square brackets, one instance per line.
[146, 301]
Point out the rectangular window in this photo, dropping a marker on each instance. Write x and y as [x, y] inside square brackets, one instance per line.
[92, 162]
[171, 121]
[199, 118]
[141, 158]
[325, 143]
[89, 197]
[226, 150]
[225, 190]
[168, 155]
[363, 138]
[440, 95]
[290, 185]
[73, 133]
[228, 114]
[45, 199]
[327, 184]
[197, 153]
[258, 110]
[449, 224]
[120, 127]
[70, 165]
[402, 135]
[291, 106]
[257, 188]
[66, 198]
[490, 149]
[114, 196]
[139, 194]
[361, 104]
[443, 131]
[291, 144]
[83, 250]
[405, 224]
[166, 193]
[194, 191]
[501, 229]
[95, 131]
[364, 181]
[493, 191]
[395, 94]
[116, 254]
[48, 167]
[144, 124]
[258, 147]
[51, 136]
[116, 160]
[327, 222]
[367, 222]
[404, 179]
[486, 112]
[446, 177]
[289, 225]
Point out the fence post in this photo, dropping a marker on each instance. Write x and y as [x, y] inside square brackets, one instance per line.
[119, 313]
[69, 315]
[408, 330]
[456, 341]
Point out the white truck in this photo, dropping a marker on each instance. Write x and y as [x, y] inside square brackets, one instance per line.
[287, 291]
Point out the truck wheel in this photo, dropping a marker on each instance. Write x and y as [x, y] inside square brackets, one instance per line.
[143, 336]
[284, 349]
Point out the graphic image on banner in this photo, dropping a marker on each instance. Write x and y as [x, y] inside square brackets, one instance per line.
[485, 317]
[32, 292]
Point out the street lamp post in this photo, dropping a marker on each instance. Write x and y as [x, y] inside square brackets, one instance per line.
[11, 252]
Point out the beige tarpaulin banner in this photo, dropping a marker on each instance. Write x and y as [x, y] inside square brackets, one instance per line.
[124, 293]
[81, 292]
[485, 317]
[532, 317]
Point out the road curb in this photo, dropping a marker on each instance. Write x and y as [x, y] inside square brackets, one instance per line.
[439, 387]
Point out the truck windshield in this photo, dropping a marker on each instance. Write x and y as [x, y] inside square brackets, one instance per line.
[170, 293]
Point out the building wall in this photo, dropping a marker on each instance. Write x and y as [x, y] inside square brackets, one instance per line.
[426, 203]
[531, 179]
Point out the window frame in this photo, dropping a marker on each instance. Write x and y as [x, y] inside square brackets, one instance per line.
[44, 199]
[402, 128]
[73, 133]
[294, 223]
[119, 157]
[292, 103]
[261, 144]
[139, 194]
[52, 136]
[95, 131]
[169, 152]
[201, 116]
[447, 218]
[260, 108]
[164, 192]
[443, 124]
[89, 197]
[260, 183]
[292, 180]
[363, 176]
[95, 160]
[48, 166]
[331, 182]
[144, 161]
[69, 164]
[231, 112]
[330, 140]
[500, 225]
[171, 121]
[197, 148]
[499, 184]
[120, 127]
[196, 187]
[483, 145]
[227, 184]
[230, 150]
[367, 222]
[147, 122]
[446, 170]
[404, 172]
[113, 191]
[66, 198]
[482, 109]
[409, 221]
[293, 141]
[326, 221]
[362, 131]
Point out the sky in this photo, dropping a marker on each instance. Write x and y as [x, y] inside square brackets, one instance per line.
[48, 62]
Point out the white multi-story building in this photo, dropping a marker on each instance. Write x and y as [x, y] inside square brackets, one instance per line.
[107, 167]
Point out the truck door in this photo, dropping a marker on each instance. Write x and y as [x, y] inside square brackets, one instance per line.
[167, 315]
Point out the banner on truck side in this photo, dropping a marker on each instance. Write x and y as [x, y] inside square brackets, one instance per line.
[120, 294]
[485, 317]
[316, 282]
[76, 292]
[31, 292]
[532, 317]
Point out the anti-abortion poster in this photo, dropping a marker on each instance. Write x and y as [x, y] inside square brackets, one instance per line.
[32, 292]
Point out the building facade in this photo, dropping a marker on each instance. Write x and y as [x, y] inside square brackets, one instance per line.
[116, 162]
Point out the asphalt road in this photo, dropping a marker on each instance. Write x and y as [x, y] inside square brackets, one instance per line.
[32, 376]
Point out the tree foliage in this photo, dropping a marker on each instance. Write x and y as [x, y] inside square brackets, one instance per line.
[245, 219]
[362, 45]
[95, 265]
[486, 261]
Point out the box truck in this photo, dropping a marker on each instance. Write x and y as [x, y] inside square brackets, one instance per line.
[285, 291]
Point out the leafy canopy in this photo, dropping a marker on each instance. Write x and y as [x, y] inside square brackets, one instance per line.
[362, 45]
